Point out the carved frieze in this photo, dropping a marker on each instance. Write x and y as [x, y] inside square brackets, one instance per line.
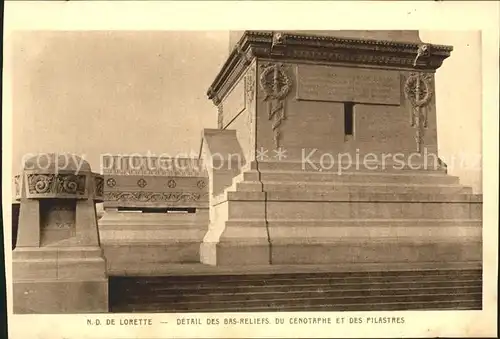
[153, 196]
[276, 85]
[418, 93]
[299, 47]
[53, 185]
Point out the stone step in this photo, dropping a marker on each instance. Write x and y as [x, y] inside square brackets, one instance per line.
[332, 206]
[472, 304]
[291, 301]
[355, 222]
[310, 293]
[284, 286]
[302, 280]
[329, 291]
[185, 274]
[360, 167]
[313, 186]
[350, 177]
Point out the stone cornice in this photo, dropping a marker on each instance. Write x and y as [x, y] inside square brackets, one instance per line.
[291, 46]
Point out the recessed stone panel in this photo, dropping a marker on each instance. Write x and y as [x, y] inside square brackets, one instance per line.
[234, 103]
[343, 84]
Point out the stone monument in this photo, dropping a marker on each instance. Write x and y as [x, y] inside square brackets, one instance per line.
[155, 213]
[336, 142]
[58, 266]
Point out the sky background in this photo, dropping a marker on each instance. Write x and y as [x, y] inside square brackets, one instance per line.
[113, 92]
[123, 92]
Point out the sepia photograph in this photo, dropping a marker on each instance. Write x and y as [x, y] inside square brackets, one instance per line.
[226, 182]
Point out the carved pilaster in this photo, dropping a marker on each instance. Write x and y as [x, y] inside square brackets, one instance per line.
[220, 116]
[250, 81]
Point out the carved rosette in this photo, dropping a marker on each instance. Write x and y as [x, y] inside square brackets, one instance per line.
[201, 184]
[111, 182]
[276, 84]
[142, 183]
[418, 93]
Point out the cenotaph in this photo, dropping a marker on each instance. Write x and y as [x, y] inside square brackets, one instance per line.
[58, 266]
[326, 153]
[155, 213]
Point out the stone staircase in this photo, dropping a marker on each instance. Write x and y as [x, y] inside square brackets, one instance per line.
[425, 289]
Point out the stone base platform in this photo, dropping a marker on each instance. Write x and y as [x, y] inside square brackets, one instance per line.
[276, 214]
[145, 241]
[59, 280]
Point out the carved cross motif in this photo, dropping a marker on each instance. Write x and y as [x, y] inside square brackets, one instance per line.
[141, 183]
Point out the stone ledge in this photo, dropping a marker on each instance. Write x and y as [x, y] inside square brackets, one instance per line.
[354, 222]
[54, 253]
[351, 197]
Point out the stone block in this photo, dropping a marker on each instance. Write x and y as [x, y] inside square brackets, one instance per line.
[60, 296]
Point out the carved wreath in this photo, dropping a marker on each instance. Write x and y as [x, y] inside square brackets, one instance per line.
[274, 82]
[421, 84]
